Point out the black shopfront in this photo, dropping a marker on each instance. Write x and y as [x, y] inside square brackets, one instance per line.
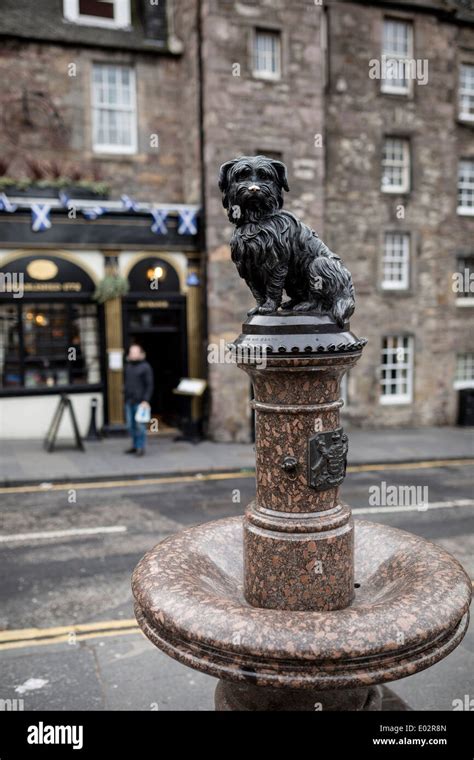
[50, 328]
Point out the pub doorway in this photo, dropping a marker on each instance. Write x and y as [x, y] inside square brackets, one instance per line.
[156, 320]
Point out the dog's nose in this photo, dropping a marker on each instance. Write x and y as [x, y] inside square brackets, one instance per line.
[254, 188]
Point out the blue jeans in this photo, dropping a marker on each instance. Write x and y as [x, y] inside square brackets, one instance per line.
[136, 429]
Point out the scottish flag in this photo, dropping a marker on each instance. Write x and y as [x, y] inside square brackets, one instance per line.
[40, 220]
[128, 203]
[187, 222]
[160, 216]
[5, 204]
[64, 198]
[93, 212]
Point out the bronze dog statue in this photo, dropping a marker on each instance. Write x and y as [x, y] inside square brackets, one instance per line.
[273, 250]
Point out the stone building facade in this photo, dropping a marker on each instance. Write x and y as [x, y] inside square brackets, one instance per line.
[218, 78]
[360, 115]
[419, 359]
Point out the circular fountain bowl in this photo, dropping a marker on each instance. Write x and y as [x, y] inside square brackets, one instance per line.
[410, 610]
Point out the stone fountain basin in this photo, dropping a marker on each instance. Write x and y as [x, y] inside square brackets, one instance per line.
[410, 609]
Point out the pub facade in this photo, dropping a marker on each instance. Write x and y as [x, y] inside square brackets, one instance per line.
[59, 338]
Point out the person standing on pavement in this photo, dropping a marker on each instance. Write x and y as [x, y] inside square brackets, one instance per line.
[138, 391]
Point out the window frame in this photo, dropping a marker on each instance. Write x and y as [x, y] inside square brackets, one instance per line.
[122, 15]
[406, 167]
[460, 385]
[385, 87]
[110, 148]
[404, 283]
[466, 117]
[271, 76]
[395, 399]
[465, 210]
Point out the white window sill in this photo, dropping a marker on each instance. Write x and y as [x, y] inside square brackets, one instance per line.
[395, 190]
[394, 400]
[96, 21]
[467, 118]
[267, 76]
[463, 211]
[461, 385]
[397, 287]
[464, 302]
[114, 150]
[387, 90]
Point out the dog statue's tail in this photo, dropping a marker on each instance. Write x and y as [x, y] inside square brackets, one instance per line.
[343, 309]
[331, 285]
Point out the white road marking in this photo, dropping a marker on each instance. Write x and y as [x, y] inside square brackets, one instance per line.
[414, 508]
[62, 533]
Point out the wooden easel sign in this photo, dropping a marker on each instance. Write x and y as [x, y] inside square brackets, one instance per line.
[51, 435]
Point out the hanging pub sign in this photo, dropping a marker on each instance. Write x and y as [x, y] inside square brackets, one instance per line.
[42, 275]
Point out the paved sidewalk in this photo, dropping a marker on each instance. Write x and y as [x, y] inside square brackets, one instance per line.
[24, 461]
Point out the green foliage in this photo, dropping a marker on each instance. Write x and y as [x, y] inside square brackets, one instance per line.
[111, 286]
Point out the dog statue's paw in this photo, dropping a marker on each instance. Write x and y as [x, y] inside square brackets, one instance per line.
[288, 305]
[305, 306]
[253, 311]
[268, 307]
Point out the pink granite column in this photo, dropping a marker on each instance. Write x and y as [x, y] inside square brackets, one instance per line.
[298, 537]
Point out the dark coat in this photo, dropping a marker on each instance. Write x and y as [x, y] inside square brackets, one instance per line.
[138, 382]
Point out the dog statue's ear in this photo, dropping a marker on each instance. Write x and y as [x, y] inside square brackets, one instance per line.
[282, 173]
[222, 182]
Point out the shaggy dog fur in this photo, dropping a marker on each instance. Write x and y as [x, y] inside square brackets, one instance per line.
[273, 251]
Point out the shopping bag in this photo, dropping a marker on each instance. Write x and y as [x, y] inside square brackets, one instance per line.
[143, 414]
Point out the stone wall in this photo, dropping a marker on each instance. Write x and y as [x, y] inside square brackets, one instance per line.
[245, 115]
[152, 173]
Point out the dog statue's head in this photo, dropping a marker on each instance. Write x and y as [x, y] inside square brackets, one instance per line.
[252, 187]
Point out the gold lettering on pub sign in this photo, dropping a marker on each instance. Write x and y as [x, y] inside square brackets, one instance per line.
[153, 304]
[53, 287]
[42, 269]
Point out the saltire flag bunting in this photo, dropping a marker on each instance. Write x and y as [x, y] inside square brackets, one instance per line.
[40, 214]
[187, 221]
[64, 198]
[6, 205]
[40, 220]
[160, 216]
[93, 212]
[128, 203]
